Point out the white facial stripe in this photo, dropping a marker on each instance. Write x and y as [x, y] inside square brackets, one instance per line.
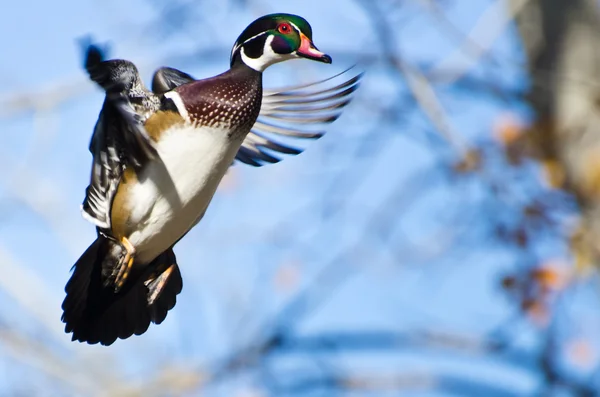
[174, 96]
[235, 48]
[253, 37]
[296, 27]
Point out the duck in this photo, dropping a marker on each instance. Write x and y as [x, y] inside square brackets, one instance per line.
[158, 156]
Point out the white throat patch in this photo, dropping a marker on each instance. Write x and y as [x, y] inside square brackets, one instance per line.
[268, 58]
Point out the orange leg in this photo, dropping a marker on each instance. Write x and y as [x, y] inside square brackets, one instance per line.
[157, 284]
[125, 265]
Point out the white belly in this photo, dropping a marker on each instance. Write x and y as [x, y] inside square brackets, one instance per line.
[171, 196]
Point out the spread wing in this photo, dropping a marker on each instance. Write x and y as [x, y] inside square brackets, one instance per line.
[119, 139]
[298, 112]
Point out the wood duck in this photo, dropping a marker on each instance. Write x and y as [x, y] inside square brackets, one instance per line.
[158, 157]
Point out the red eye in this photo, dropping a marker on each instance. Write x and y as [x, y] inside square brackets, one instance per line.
[284, 28]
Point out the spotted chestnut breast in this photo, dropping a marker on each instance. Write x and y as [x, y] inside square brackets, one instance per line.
[230, 101]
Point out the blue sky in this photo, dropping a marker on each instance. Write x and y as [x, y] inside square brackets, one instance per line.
[231, 262]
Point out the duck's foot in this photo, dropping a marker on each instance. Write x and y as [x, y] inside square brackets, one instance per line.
[156, 283]
[125, 264]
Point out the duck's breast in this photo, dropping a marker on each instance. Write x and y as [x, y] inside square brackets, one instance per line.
[174, 191]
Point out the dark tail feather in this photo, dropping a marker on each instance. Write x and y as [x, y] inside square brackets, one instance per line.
[95, 314]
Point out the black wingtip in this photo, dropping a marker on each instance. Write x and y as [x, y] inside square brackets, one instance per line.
[93, 53]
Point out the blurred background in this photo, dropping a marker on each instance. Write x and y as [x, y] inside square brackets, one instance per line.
[443, 239]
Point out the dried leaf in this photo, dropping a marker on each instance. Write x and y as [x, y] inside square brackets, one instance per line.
[549, 277]
[520, 237]
[537, 311]
[509, 282]
[507, 129]
[470, 162]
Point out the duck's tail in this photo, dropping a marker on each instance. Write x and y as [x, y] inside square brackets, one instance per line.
[96, 314]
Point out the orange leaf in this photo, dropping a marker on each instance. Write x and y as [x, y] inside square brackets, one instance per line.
[549, 277]
[507, 129]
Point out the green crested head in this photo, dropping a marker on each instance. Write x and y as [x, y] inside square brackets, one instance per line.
[275, 38]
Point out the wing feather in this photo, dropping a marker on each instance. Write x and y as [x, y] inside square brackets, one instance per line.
[119, 139]
[165, 79]
[300, 112]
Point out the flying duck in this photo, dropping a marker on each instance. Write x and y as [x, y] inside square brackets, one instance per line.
[158, 157]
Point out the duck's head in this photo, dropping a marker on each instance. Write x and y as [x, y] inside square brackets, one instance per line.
[275, 38]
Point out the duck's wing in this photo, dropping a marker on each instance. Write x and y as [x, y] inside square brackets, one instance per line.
[299, 112]
[126, 93]
[165, 79]
[119, 139]
[294, 112]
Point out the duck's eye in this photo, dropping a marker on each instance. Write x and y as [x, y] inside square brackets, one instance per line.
[284, 28]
